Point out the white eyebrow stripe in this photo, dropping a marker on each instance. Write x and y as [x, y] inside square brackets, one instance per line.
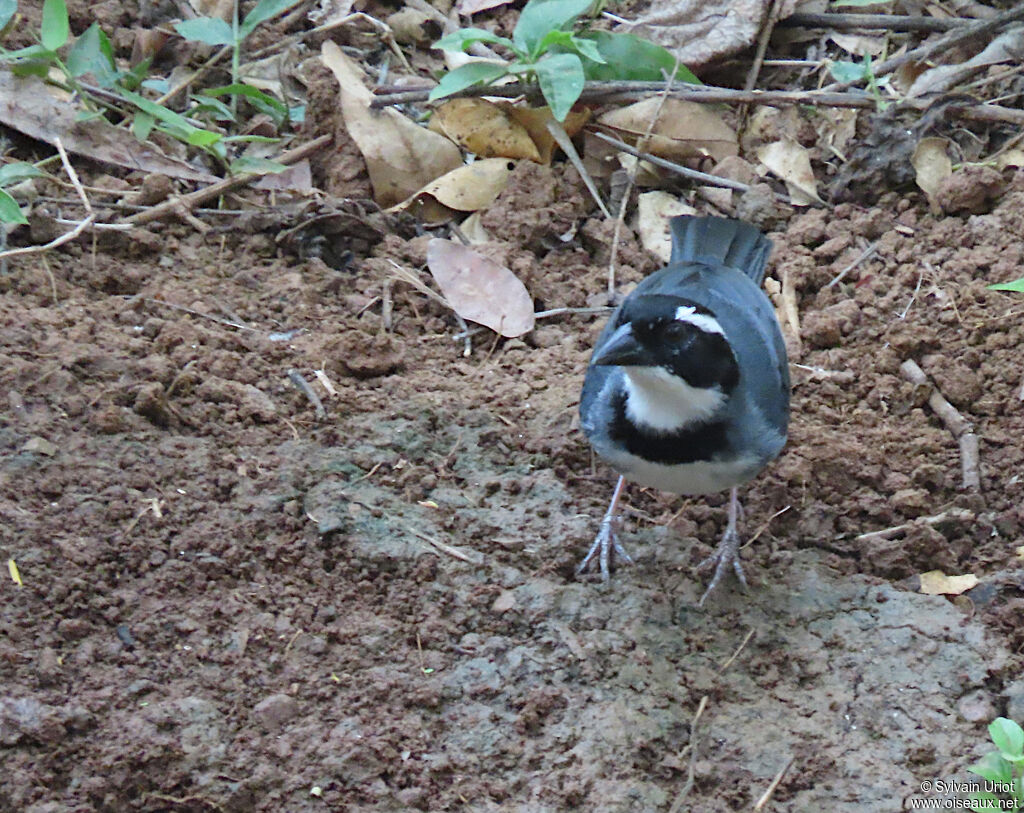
[688, 314]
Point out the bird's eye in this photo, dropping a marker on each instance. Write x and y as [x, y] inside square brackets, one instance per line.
[674, 330]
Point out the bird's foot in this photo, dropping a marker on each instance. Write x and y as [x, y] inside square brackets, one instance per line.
[725, 558]
[606, 547]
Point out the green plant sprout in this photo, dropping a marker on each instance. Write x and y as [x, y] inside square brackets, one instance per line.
[855, 72]
[1002, 769]
[548, 51]
[92, 54]
[215, 31]
[10, 174]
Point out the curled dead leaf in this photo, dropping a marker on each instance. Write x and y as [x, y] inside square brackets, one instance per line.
[931, 167]
[466, 189]
[484, 128]
[479, 289]
[535, 121]
[792, 163]
[937, 583]
[683, 129]
[401, 157]
[654, 209]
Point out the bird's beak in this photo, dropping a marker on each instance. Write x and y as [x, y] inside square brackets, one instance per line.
[622, 349]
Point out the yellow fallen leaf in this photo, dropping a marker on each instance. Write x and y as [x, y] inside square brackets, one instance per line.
[683, 129]
[932, 166]
[465, 189]
[937, 583]
[792, 163]
[12, 568]
[535, 120]
[484, 129]
[400, 156]
[654, 209]
[1019, 552]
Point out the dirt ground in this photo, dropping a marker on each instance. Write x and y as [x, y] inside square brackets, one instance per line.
[229, 604]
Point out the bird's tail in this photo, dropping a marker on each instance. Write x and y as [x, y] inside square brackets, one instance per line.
[720, 240]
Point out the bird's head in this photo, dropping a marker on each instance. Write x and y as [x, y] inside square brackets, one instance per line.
[677, 359]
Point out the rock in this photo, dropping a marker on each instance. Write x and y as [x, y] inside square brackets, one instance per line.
[26, 717]
[275, 711]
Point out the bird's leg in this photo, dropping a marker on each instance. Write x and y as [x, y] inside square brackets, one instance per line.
[727, 555]
[607, 540]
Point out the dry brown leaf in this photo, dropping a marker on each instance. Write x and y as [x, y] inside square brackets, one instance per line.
[296, 178]
[473, 230]
[792, 163]
[683, 130]
[484, 128]
[401, 157]
[937, 583]
[469, 7]
[697, 31]
[465, 189]
[858, 44]
[535, 121]
[932, 166]
[29, 106]
[479, 289]
[654, 209]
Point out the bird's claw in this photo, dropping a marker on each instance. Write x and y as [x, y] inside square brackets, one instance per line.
[606, 545]
[725, 557]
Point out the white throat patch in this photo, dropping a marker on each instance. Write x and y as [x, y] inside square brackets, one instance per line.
[658, 401]
[688, 314]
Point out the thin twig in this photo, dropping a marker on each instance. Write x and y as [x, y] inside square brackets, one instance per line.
[558, 133]
[194, 199]
[887, 22]
[677, 805]
[631, 182]
[864, 255]
[303, 386]
[64, 238]
[961, 428]
[774, 784]
[736, 654]
[72, 175]
[200, 314]
[952, 515]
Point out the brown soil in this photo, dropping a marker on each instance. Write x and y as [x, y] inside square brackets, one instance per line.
[230, 605]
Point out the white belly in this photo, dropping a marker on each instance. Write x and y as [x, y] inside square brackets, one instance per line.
[704, 477]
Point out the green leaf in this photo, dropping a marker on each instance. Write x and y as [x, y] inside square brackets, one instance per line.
[262, 11]
[1017, 285]
[993, 768]
[10, 211]
[848, 71]
[160, 86]
[208, 30]
[1008, 737]
[472, 73]
[460, 40]
[566, 41]
[206, 104]
[263, 102]
[259, 166]
[202, 138]
[630, 57]
[55, 30]
[297, 113]
[8, 8]
[17, 172]
[31, 67]
[142, 125]
[32, 51]
[93, 53]
[541, 16]
[561, 81]
[251, 139]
